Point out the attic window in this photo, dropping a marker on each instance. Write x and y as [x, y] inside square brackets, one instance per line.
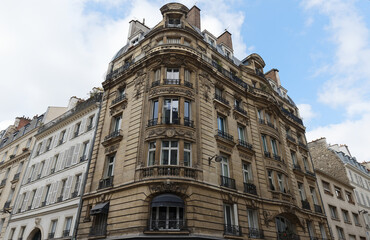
[135, 41]
[173, 40]
[228, 54]
[211, 41]
[174, 22]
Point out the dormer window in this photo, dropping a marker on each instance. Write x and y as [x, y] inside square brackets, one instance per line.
[211, 41]
[174, 22]
[135, 41]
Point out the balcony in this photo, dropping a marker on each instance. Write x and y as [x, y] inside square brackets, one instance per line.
[290, 138]
[152, 122]
[171, 81]
[74, 194]
[119, 99]
[302, 145]
[261, 121]
[164, 225]
[188, 122]
[240, 110]
[277, 157]
[250, 188]
[175, 24]
[306, 205]
[66, 233]
[232, 230]
[188, 84]
[292, 116]
[255, 233]
[167, 120]
[113, 137]
[245, 144]
[156, 83]
[168, 171]
[106, 182]
[267, 154]
[224, 135]
[16, 177]
[228, 182]
[51, 235]
[221, 99]
[317, 208]
[297, 167]
[287, 236]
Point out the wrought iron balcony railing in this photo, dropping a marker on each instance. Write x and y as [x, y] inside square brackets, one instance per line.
[255, 233]
[106, 182]
[232, 230]
[51, 235]
[228, 182]
[168, 120]
[224, 135]
[168, 171]
[287, 236]
[113, 134]
[221, 99]
[66, 233]
[119, 99]
[306, 205]
[156, 83]
[152, 122]
[250, 188]
[239, 109]
[290, 138]
[267, 154]
[166, 224]
[188, 122]
[261, 121]
[245, 144]
[318, 208]
[188, 84]
[297, 167]
[171, 81]
[276, 157]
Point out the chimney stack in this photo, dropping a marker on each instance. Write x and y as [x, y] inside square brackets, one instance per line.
[193, 16]
[225, 39]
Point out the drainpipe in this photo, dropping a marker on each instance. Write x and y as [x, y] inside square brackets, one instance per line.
[74, 234]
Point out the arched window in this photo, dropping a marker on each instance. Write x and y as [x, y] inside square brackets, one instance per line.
[167, 213]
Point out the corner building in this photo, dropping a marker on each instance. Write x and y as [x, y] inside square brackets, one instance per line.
[193, 143]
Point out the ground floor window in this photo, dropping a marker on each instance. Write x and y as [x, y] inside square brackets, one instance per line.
[167, 213]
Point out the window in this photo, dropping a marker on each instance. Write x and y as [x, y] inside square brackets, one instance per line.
[109, 169]
[154, 113]
[221, 124]
[301, 191]
[20, 166]
[274, 147]
[264, 142]
[46, 195]
[281, 182]
[100, 213]
[21, 232]
[53, 228]
[187, 154]
[211, 41]
[187, 75]
[268, 118]
[260, 115]
[48, 144]
[90, 122]
[38, 149]
[311, 232]
[356, 219]
[60, 198]
[340, 233]
[305, 163]
[11, 234]
[187, 113]
[338, 192]
[157, 75]
[28, 144]
[84, 151]
[349, 197]
[270, 175]
[352, 237]
[169, 154]
[230, 215]
[294, 158]
[171, 111]
[117, 120]
[241, 133]
[224, 167]
[151, 153]
[326, 187]
[4, 156]
[173, 74]
[345, 216]
[41, 168]
[174, 22]
[15, 150]
[77, 185]
[253, 223]
[314, 196]
[54, 163]
[218, 92]
[62, 137]
[2, 223]
[77, 129]
[32, 199]
[322, 231]
[67, 227]
[173, 40]
[7, 173]
[247, 173]
[167, 212]
[333, 212]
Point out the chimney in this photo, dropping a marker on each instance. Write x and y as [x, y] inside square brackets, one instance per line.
[274, 75]
[225, 39]
[193, 16]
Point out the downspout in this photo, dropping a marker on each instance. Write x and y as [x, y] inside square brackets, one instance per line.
[74, 234]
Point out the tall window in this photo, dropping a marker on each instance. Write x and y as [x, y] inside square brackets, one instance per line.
[151, 153]
[90, 122]
[109, 166]
[33, 193]
[187, 113]
[322, 231]
[260, 115]
[218, 92]
[77, 129]
[221, 124]
[274, 147]
[314, 196]
[333, 212]
[77, 184]
[230, 216]
[338, 192]
[169, 154]
[264, 143]
[311, 232]
[340, 233]
[173, 73]
[301, 191]
[253, 223]
[157, 75]
[67, 227]
[187, 154]
[28, 144]
[187, 75]
[345, 216]
[21, 233]
[270, 175]
[53, 228]
[281, 182]
[41, 168]
[54, 163]
[62, 137]
[167, 212]
[355, 219]
[247, 173]
[48, 144]
[46, 194]
[224, 167]
[171, 111]
[11, 234]
[15, 150]
[305, 163]
[60, 198]
[38, 149]
[4, 156]
[84, 151]
[241, 133]
[117, 121]
[294, 158]
[2, 223]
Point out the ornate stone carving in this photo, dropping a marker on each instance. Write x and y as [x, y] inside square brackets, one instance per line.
[170, 132]
[139, 82]
[206, 84]
[225, 110]
[171, 90]
[168, 187]
[111, 148]
[224, 148]
[267, 218]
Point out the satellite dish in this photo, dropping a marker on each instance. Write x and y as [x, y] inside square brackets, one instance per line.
[218, 159]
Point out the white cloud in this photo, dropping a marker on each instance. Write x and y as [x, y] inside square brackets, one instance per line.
[306, 112]
[355, 134]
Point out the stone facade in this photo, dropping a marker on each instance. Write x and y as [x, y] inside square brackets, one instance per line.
[193, 143]
[48, 201]
[342, 180]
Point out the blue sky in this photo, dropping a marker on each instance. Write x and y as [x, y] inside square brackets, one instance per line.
[58, 49]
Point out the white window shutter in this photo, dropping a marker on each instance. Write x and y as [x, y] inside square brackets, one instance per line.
[76, 153]
[82, 127]
[43, 146]
[45, 171]
[26, 175]
[79, 187]
[54, 196]
[67, 188]
[52, 141]
[25, 201]
[56, 137]
[70, 155]
[35, 171]
[60, 161]
[63, 164]
[68, 131]
[38, 201]
[48, 198]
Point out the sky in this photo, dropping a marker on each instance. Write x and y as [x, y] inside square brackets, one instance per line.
[51, 50]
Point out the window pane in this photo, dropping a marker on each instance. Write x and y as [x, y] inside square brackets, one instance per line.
[165, 157]
[173, 157]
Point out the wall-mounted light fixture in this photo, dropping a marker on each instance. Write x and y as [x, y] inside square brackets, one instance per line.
[217, 158]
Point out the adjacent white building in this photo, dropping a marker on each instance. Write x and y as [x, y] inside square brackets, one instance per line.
[47, 204]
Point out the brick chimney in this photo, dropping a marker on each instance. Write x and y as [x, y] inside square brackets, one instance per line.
[225, 39]
[274, 75]
[193, 16]
[21, 121]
